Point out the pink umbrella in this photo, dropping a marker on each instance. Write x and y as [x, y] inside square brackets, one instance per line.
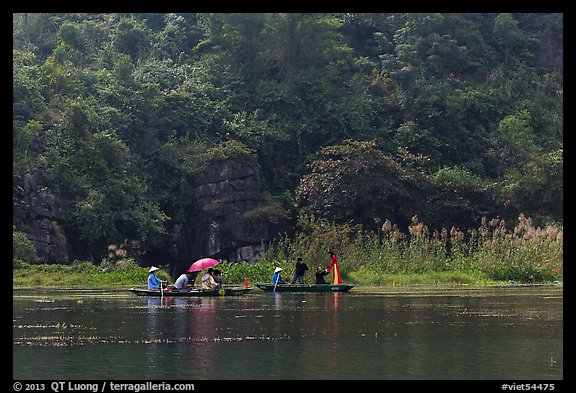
[202, 264]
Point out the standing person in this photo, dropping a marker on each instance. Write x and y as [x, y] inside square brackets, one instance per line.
[320, 273]
[299, 271]
[153, 281]
[336, 279]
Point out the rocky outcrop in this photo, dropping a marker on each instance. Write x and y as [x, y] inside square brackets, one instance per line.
[549, 51]
[217, 225]
[41, 212]
[224, 193]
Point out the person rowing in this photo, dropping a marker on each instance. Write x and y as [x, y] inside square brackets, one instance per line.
[153, 281]
[277, 277]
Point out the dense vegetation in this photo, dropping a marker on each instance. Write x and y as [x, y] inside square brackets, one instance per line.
[352, 118]
[526, 254]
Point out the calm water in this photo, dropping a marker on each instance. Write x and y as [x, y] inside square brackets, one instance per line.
[507, 333]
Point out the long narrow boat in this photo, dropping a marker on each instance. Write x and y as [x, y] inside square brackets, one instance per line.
[226, 291]
[305, 288]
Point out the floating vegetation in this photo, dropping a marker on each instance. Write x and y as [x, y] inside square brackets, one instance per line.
[64, 341]
[56, 326]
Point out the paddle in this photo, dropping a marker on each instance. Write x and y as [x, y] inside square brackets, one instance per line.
[276, 283]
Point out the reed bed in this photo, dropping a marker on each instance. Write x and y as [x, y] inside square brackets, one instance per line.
[524, 253]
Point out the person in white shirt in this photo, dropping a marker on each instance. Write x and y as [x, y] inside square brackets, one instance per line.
[185, 280]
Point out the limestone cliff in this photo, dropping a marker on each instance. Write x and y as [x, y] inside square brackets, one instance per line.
[39, 213]
[216, 226]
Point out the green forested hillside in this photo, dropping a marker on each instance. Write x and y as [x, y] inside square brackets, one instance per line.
[357, 118]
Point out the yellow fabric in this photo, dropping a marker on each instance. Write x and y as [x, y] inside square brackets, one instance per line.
[336, 280]
[209, 283]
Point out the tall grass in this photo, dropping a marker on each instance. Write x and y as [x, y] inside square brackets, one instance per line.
[525, 253]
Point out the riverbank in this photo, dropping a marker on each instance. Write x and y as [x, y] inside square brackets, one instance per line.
[88, 275]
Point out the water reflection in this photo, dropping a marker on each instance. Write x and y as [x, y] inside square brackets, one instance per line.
[276, 300]
[191, 321]
[334, 332]
[514, 334]
[202, 325]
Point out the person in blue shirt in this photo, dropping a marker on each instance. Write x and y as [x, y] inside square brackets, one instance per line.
[277, 277]
[153, 281]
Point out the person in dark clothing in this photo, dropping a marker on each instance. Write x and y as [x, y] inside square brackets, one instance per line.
[299, 271]
[217, 274]
[193, 278]
[320, 273]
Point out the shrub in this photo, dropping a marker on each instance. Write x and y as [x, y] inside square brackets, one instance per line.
[23, 250]
[525, 274]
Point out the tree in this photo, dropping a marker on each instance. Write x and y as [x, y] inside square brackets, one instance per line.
[515, 139]
[536, 187]
[509, 36]
[111, 203]
[356, 182]
[453, 104]
[131, 37]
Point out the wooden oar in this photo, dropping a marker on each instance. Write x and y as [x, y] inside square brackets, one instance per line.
[276, 283]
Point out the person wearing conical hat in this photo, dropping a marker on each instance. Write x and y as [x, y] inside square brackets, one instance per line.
[153, 281]
[277, 277]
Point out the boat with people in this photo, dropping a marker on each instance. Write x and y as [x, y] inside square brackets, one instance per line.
[225, 291]
[304, 288]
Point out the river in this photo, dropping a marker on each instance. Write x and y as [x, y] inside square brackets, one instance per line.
[384, 333]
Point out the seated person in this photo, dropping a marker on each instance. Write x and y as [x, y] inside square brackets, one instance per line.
[217, 274]
[208, 282]
[185, 281]
[320, 273]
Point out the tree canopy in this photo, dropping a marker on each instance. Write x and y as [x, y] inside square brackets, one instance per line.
[354, 117]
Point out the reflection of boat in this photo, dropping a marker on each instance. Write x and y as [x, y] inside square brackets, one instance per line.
[226, 291]
[305, 288]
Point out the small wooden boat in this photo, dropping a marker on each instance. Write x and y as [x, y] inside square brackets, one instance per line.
[226, 291]
[305, 288]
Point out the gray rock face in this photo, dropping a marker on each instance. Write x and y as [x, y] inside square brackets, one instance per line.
[44, 214]
[549, 52]
[217, 226]
[223, 194]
